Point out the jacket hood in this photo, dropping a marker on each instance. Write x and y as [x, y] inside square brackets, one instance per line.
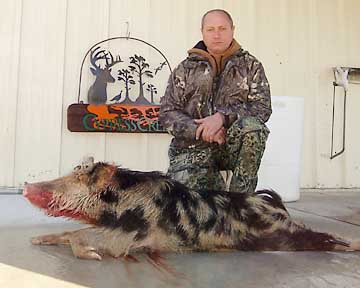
[217, 61]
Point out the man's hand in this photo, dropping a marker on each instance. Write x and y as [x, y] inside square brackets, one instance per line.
[209, 128]
[220, 136]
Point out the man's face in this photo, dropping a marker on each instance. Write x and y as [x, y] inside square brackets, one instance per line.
[217, 32]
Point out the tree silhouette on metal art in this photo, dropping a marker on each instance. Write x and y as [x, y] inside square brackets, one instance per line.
[140, 68]
[125, 76]
[152, 89]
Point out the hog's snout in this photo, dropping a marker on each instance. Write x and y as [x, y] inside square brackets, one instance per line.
[37, 195]
[26, 189]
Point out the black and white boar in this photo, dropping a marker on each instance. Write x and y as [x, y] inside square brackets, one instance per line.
[148, 212]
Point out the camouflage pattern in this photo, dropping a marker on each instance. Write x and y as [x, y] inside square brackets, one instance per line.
[195, 91]
[198, 167]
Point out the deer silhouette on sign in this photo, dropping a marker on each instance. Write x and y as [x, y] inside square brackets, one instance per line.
[97, 93]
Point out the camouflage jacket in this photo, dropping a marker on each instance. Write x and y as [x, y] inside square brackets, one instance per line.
[200, 87]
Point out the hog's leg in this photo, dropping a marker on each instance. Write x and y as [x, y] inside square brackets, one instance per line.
[84, 251]
[92, 242]
[78, 240]
[52, 239]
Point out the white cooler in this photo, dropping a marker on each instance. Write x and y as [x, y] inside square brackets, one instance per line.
[281, 164]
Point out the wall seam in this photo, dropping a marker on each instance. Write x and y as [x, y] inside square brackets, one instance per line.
[19, 40]
[63, 110]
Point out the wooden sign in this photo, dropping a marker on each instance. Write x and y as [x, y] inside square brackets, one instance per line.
[114, 118]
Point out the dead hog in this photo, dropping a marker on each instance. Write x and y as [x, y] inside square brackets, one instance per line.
[147, 211]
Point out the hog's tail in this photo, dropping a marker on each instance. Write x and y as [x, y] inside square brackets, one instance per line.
[294, 236]
[297, 237]
[307, 239]
[352, 246]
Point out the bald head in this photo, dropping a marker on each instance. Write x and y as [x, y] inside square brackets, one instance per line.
[217, 30]
[221, 11]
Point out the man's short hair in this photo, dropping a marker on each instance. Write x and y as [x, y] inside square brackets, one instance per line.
[217, 10]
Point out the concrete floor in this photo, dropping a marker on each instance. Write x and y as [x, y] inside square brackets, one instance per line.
[25, 265]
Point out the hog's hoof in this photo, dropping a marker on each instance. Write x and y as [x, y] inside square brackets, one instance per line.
[86, 252]
[36, 241]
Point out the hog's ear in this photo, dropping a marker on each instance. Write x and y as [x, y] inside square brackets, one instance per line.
[87, 164]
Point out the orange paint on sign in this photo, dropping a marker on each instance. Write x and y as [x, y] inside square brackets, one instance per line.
[101, 111]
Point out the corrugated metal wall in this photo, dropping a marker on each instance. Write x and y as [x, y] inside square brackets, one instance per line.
[43, 43]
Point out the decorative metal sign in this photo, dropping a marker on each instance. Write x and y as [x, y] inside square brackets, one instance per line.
[122, 91]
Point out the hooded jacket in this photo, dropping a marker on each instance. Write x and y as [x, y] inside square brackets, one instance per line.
[232, 83]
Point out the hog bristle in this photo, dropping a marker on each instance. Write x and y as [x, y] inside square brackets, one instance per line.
[134, 210]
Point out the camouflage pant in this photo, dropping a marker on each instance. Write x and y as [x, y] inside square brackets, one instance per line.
[199, 167]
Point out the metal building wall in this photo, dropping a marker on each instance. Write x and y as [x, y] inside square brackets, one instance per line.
[43, 43]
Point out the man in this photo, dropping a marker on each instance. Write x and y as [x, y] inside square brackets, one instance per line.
[215, 105]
